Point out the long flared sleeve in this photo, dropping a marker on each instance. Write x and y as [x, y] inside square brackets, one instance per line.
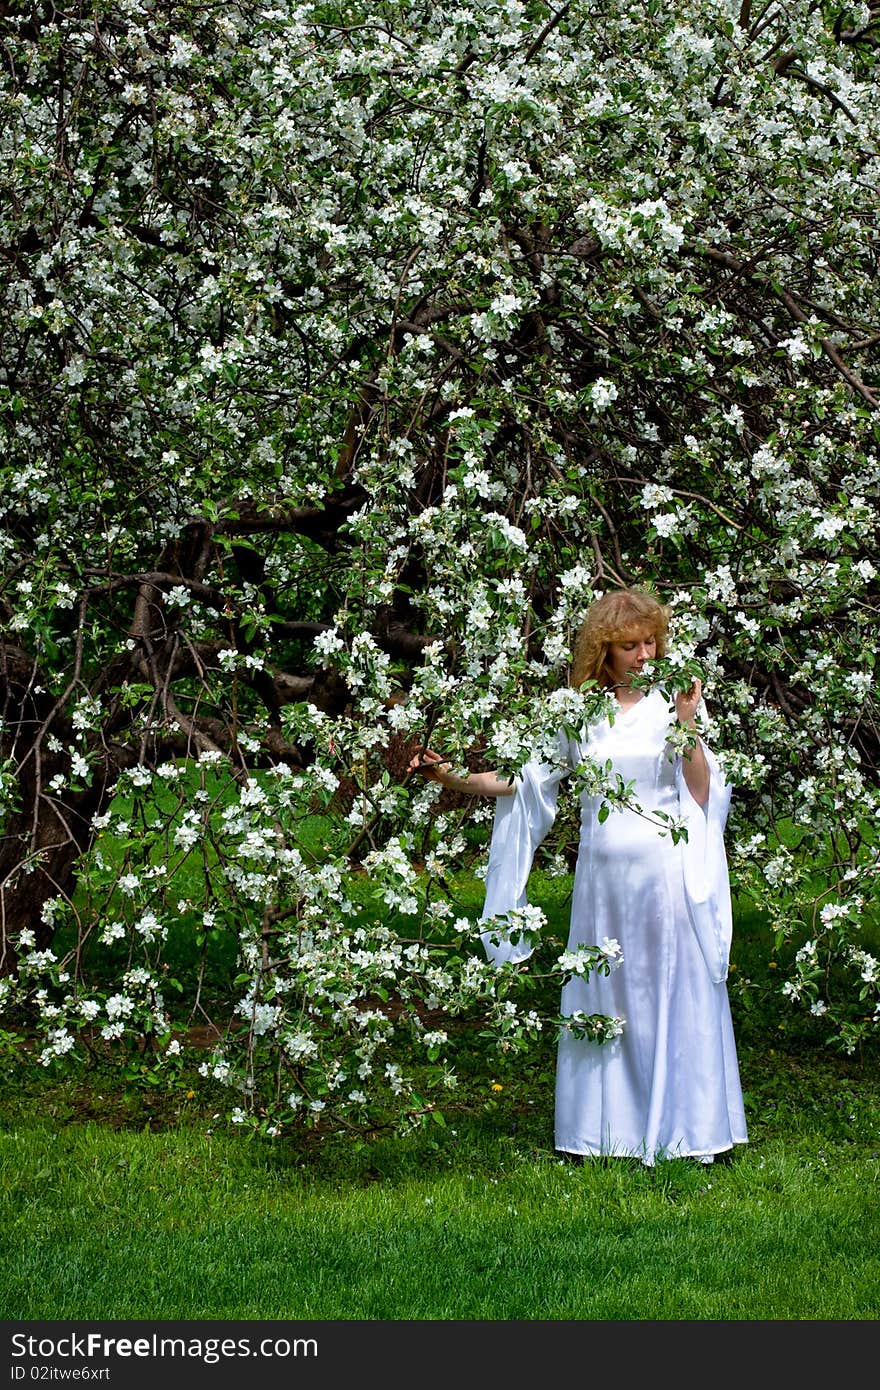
[521, 822]
[706, 879]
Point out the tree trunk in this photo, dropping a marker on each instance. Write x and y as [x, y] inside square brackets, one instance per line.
[45, 833]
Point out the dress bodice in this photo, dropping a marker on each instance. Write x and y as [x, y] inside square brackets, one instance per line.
[636, 744]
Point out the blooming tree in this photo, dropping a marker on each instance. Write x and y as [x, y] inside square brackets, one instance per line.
[347, 352]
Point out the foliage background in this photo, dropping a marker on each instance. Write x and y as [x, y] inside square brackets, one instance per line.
[346, 352]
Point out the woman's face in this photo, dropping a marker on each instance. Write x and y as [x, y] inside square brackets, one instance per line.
[627, 657]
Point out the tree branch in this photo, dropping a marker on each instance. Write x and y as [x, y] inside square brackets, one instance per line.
[730, 262]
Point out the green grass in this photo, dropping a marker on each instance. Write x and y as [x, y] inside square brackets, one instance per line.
[120, 1204]
[125, 1225]
[122, 1201]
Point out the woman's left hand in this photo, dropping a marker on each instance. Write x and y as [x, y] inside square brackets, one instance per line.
[686, 702]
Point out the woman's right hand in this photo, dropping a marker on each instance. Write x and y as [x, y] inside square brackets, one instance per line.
[439, 769]
[428, 763]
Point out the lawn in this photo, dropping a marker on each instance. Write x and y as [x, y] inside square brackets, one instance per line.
[120, 1202]
[123, 1199]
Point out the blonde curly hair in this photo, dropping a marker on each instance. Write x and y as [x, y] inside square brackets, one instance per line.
[615, 617]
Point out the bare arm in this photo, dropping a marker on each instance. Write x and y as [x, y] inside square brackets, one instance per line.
[694, 764]
[436, 769]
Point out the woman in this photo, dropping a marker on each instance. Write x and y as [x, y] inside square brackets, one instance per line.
[669, 1085]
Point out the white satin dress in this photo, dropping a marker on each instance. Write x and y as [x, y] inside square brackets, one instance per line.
[669, 1085]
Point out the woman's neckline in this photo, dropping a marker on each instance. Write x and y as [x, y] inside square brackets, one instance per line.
[630, 704]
